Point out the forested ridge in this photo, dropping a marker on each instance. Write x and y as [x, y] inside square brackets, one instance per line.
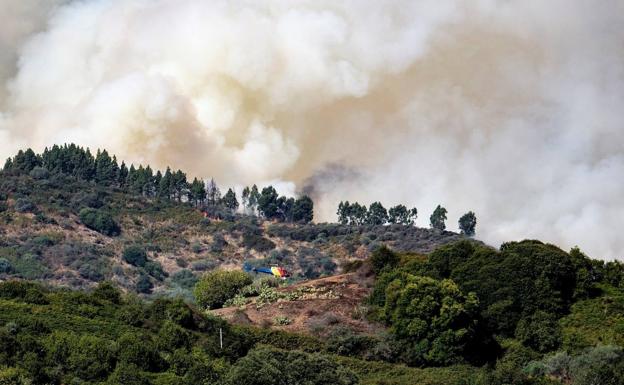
[108, 275]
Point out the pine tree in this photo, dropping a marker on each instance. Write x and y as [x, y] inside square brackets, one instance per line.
[303, 210]
[8, 165]
[123, 175]
[105, 168]
[197, 192]
[229, 200]
[25, 161]
[180, 185]
[164, 187]
[148, 188]
[268, 204]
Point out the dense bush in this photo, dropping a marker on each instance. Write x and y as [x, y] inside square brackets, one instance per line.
[155, 269]
[144, 285]
[39, 173]
[266, 366]
[433, 320]
[5, 266]
[135, 255]
[602, 365]
[512, 283]
[138, 350]
[539, 331]
[90, 200]
[216, 287]
[184, 279]
[257, 242]
[383, 257]
[100, 221]
[24, 205]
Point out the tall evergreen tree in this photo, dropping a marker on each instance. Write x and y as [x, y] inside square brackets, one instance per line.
[303, 210]
[229, 200]
[468, 223]
[8, 165]
[164, 187]
[267, 203]
[105, 168]
[358, 214]
[148, 188]
[156, 182]
[343, 212]
[25, 161]
[438, 218]
[180, 185]
[398, 214]
[123, 175]
[197, 192]
[213, 192]
[254, 196]
[245, 198]
[377, 214]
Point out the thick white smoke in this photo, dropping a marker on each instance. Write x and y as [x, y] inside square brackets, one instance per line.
[508, 108]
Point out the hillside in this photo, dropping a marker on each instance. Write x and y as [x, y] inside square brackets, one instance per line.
[316, 307]
[365, 304]
[43, 236]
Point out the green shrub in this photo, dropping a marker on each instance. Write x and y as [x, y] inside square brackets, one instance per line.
[128, 375]
[5, 266]
[100, 221]
[383, 257]
[265, 366]
[26, 291]
[203, 265]
[24, 205]
[433, 321]
[91, 358]
[252, 240]
[184, 279]
[155, 269]
[216, 287]
[602, 365]
[139, 350]
[540, 331]
[135, 255]
[39, 173]
[144, 285]
[12, 376]
[108, 292]
[171, 337]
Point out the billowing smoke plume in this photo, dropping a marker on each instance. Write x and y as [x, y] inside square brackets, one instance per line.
[512, 109]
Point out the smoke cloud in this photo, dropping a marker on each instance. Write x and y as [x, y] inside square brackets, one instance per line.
[512, 109]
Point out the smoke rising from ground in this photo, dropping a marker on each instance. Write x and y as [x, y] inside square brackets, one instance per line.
[512, 109]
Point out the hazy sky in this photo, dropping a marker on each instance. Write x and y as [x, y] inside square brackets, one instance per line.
[512, 109]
